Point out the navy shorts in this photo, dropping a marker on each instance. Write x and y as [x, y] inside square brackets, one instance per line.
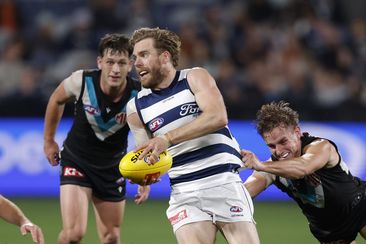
[355, 221]
[103, 181]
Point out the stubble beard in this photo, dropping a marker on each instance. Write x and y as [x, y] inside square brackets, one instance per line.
[156, 77]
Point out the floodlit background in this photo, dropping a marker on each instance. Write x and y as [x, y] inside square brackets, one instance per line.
[310, 53]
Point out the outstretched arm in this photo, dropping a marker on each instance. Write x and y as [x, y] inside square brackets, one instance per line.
[14, 215]
[316, 155]
[257, 182]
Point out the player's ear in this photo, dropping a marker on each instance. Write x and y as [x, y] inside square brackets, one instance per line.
[130, 65]
[166, 56]
[297, 131]
[99, 62]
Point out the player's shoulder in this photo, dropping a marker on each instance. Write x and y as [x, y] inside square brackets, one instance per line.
[89, 71]
[193, 70]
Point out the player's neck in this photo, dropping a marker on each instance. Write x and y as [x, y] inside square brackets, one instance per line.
[115, 93]
[169, 77]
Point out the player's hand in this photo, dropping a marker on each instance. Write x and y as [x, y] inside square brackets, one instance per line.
[51, 150]
[250, 160]
[153, 148]
[35, 231]
[150, 181]
[142, 194]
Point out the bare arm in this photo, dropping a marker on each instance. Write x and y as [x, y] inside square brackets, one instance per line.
[256, 183]
[54, 111]
[213, 111]
[316, 155]
[140, 135]
[213, 115]
[14, 215]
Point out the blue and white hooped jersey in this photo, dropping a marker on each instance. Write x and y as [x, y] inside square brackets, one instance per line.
[199, 163]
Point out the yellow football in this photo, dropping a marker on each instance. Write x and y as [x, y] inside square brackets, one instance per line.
[136, 170]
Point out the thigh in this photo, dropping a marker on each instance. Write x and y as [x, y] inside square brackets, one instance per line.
[239, 232]
[185, 208]
[109, 215]
[228, 203]
[74, 202]
[105, 183]
[203, 232]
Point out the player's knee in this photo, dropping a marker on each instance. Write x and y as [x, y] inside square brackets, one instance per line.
[111, 236]
[73, 236]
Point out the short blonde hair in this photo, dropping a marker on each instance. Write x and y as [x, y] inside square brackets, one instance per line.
[164, 40]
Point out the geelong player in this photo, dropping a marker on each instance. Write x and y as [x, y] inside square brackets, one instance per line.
[312, 172]
[183, 110]
[95, 144]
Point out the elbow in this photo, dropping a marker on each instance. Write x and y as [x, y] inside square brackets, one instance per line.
[214, 120]
[222, 122]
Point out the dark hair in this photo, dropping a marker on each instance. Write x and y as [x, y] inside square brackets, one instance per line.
[116, 43]
[275, 114]
[164, 40]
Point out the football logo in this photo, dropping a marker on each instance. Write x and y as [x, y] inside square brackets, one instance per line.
[156, 124]
[91, 110]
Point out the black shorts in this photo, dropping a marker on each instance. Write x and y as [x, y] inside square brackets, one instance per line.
[353, 224]
[103, 182]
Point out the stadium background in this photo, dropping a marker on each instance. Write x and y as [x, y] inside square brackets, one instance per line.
[310, 53]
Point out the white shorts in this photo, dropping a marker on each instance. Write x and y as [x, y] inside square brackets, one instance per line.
[225, 203]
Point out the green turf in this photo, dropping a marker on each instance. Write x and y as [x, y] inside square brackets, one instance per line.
[277, 223]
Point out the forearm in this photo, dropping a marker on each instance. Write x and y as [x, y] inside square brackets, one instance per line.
[291, 169]
[204, 124]
[11, 213]
[53, 116]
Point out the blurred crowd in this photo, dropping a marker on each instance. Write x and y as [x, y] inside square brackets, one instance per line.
[310, 53]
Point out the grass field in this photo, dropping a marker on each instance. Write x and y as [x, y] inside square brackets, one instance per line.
[277, 223]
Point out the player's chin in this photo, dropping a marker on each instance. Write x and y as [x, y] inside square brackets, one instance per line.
[115, 81]
[146, 81]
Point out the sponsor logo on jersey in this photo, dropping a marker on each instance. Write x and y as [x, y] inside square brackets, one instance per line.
[91, 110]
[69, 171]
[156, 124]
[120, 118]
[178, 217]
[189, 108]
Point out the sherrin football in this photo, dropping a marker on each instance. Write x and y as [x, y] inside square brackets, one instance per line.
[137, 170]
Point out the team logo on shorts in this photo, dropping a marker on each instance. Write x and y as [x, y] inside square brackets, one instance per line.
[178, 217]
[69, 171]
[236, 209]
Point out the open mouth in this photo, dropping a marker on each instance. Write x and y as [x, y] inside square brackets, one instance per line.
[283, 156]
[143, 73]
